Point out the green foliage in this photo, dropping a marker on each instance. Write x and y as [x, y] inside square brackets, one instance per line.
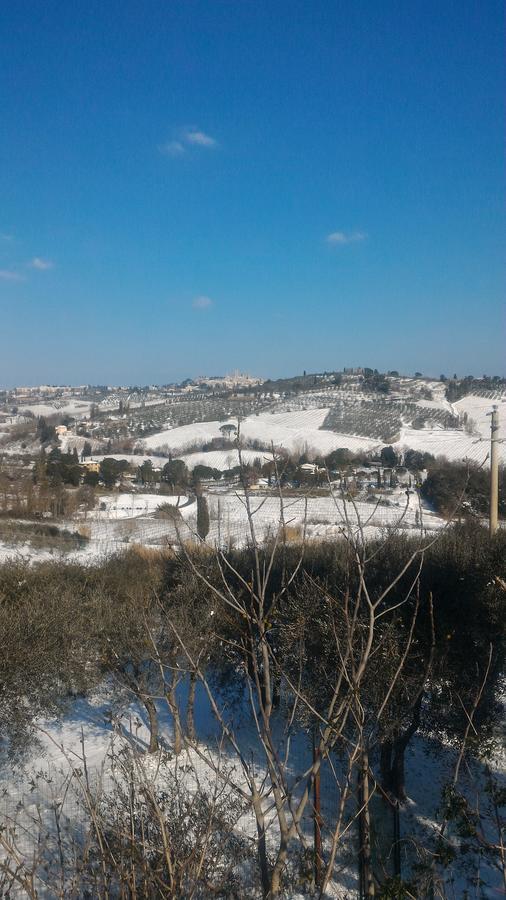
[339, 459]
[146, 473]
[451, 487]
[389, 457]
[45, 431]
[416, 461]
[111, 469]
[205, 473]
[376, 382]
[397, 888]
[62, 468]
[175, 473]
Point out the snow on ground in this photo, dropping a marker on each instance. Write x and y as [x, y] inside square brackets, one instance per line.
[294, 431]
[223, 459]
[29, 793]
[299, 432]
[43, 780]
[33, 550]
[16, 448]
[478, 409]
[322, 517]
[79, 408]
[455, 445]
[435, 404]
[184, 437]
[69, 441]
[131, 518]
[129, 506]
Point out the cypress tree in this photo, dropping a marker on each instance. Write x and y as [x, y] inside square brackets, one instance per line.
[202, 517]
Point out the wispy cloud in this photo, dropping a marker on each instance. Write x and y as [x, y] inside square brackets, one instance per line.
[41, 264]
[171, 148]
[6, 237]
[200, 138]
[345, 237]
[11, 275]
[202, 302]
[185, 139]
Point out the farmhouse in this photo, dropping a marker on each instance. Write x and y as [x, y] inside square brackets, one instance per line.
[91, 466]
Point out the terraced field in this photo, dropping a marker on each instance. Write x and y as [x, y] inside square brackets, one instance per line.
[294, 431]
[455, 445]
[131, 519]
[478, 407]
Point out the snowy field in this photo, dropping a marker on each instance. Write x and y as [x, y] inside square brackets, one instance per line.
[123, 519]
[78, 408]
[130, 506]
[478, 409]
[184, 437]
[223, 459]
[455, 445]
[70, 441]
[131, 518]
[297, 431]
[300, 432]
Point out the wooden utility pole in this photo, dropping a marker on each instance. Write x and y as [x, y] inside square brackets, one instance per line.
[494, 469]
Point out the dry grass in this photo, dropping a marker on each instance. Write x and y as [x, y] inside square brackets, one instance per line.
[291, 533]
[151, 554]
[195, 549]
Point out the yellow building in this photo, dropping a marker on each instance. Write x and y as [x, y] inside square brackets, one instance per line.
[91, 466]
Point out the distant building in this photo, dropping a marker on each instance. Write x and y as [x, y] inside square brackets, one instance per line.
[311, 468]
[91, 466]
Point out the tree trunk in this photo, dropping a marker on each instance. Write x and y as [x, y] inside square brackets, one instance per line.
[392, 755]
[276, 691]
[190, 719]
[262, 846]
[386, 765]
[317, 819]
[153, 724]
[367, 877]
[275, 886]
[397, 776]
[174, 708]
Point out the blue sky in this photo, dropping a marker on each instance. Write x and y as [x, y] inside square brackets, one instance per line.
[189, 187]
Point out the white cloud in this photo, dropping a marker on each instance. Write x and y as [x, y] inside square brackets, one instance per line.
[202, 302]
[343, 237]
[10, 275]
[200, 138]
[41, 264]
[185, 139]
[172, 148]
